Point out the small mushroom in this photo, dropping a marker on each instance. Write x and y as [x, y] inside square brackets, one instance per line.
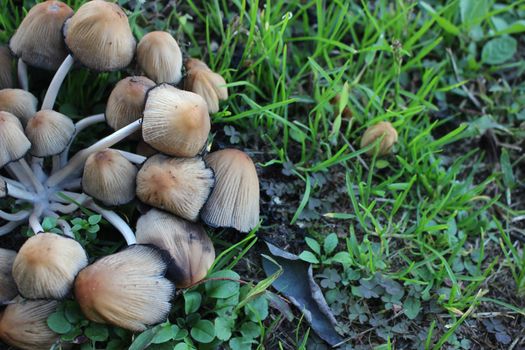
[127, 289]
[126, 102]
[46, 266]
[159, 56]
[178, 185]
[23, 324]
[7, 284]
[14, 143]
[234, 201]
[6, 72]
[38, 41]
[18, 102]
[49, 132]
[374, 132]
[175, 122]
[109, 177]
[188, 244]
[204, 82]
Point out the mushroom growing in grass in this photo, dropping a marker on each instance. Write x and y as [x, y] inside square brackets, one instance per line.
[23, 324]
[159, 56]
[383, 130]
[49, 132]
[38, 40]
[109, 177]
[180, 186]
[234, 201]
[126, 102]
[175, 122]
[18, 102]
[98, 35]
[204, 82]
[127, 289]
[6, 74]
[188, 244]
[7, 284]
[46, 266]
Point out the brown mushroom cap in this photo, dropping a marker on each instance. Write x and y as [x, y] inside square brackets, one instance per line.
[7, 284]
[178, 185]
[18, 102]
[188, 244]
[159, 56]
[49, 133]
[6, 71]
[109, 177]
[204, 82]
[127, 289]
[374, 132]
[234, 201]
[14, 143]
[24, 324]
[175, 122]
[99, 36]
[126, 102]
[46, 266]
[38, 40]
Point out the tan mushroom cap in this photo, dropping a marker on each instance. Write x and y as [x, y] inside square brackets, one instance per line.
[24, 324]
[374, 132]
[204, 82]
[49, 133]
[18, 102]
[127, 289]
[126, 101]
[160, 57]
[6, 71]
[7, 284]
[109, 177]
[38, 41]
[14, 143]
[234, 201]
[99, 36]
[175, 122]
[188, 244]
[180, 186]
[46, 266]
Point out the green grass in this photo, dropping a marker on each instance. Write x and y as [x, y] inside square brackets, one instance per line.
[438, 218]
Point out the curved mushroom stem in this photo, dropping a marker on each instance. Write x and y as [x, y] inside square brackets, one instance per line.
[73, 185]
[15, 192]
[116, 221]
[75, 165]
[37, 185]
[37, 165]
[16, 171]
[55, 164]
[22, 75]
[132, 157]
[10, 226]
[21, 215]
[64, 226]
[69, 208]
[58, 79]
[34, 218]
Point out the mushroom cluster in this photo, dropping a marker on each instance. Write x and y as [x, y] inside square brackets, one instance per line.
[180, 181]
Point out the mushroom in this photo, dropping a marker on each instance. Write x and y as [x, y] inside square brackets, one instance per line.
[234, 201]
[49, 132]
[7, 284]
[18, 102]
[178, 185]
[6, 74]
[204, 82]
[14, 143]
[23, 324]
[188, 244]
[127, 289]
[38, 40]
[383, 130]
[98, 35]
[175, 122]
[126, 102]
[109, 177]
[46, 266]
[159, 56]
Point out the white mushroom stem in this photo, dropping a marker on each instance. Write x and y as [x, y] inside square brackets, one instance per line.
[79, 126]
[37, 185]
[64, 226]
[16, 192]
[76, 164]
[72, 185]
[37, 165]
[55, 163]
[10, 226]
[13, 182]
[56, 83]
[34, 218]
[22, 75]
[116, 221]
[21, 215]
[69, 208]
[132, 157]
[16, 171]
